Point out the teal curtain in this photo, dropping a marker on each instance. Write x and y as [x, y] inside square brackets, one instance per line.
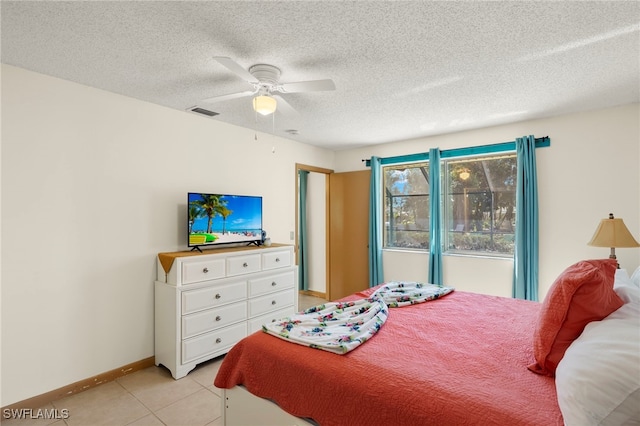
[375, 225]
[435, 228]
[525, 264]
[303, 256]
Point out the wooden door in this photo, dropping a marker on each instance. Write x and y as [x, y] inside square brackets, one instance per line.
[348, 233]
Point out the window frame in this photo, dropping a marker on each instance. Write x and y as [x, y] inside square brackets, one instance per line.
[388, 226]
[447, 207]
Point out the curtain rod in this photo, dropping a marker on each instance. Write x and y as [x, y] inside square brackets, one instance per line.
[542, 142]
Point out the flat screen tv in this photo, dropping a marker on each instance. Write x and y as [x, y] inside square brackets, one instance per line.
[223, 219]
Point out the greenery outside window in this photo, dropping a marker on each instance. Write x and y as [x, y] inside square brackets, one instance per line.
[406, 206]
[478, 204]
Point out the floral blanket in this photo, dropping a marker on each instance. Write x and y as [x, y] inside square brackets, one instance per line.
[340, 327]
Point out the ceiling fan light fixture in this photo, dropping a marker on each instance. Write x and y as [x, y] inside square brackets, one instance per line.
[264, 104]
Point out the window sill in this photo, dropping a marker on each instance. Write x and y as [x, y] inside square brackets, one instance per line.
[449, 253]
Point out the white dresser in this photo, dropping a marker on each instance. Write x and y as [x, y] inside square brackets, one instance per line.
[205, 303]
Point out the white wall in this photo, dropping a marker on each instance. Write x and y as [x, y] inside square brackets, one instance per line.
[93, 186]
[592, 168]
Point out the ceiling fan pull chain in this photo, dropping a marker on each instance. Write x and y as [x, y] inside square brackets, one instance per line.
[255, 137]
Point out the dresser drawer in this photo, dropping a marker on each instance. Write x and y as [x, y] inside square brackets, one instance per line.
[205, 298]
[218, 340]
[277, 259]
[271, 283]
[271, 302]
[256, 323]
[243, 264]
[193, 272]
[212, 319]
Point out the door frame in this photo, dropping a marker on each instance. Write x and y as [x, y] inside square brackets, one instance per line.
[326, 172]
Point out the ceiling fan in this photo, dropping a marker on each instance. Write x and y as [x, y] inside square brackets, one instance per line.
[265, 80]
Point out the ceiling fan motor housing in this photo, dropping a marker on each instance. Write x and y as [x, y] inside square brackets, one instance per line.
[266, 74]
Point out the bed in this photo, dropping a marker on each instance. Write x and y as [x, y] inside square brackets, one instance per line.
[461, 359]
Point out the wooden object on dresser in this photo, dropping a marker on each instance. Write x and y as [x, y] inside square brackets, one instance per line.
[206, 302]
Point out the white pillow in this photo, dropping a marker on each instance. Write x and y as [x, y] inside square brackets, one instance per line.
[598, 379]
[625, 288]
[635, 277]
[621, 275]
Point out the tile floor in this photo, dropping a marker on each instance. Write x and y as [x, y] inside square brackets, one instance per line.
[149, 397]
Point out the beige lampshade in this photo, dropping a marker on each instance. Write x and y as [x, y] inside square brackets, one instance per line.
[264, 105]
[612, 232]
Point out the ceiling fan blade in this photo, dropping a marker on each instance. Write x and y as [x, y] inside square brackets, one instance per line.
[285, 107]
[236, 68]
[229, 96]
[307, 86]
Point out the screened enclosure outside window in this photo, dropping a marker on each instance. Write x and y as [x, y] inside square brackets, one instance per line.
[478, 205]
[406, 206]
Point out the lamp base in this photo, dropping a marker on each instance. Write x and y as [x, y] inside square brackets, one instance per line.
[613, 255]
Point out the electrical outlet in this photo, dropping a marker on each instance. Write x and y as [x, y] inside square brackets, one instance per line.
[292, 235]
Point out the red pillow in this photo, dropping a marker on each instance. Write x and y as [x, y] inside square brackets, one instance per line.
[581, 294]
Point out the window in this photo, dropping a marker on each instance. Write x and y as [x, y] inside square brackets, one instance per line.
[478, 204]
[406, 205]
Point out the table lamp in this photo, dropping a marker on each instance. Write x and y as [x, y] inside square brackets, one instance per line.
[612, 233]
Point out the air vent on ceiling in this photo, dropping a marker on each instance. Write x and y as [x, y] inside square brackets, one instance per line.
[204, 111]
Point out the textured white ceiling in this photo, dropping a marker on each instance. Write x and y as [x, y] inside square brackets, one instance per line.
[402, 69]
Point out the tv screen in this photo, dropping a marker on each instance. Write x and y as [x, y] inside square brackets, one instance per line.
[223, 219]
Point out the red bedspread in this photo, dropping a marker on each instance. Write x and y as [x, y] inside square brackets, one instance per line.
[458, 360]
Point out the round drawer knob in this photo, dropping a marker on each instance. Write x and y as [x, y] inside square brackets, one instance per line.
[273, 302]
[218, 296]
[205, 270]
[277, 259]
[245, 264]
[218, 340]
[274, 283]
[218, 318]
